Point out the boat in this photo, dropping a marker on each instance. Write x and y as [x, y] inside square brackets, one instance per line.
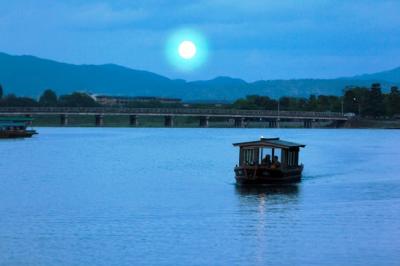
[268, 161]
[16, 127]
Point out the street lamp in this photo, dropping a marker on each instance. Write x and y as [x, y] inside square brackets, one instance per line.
[359, 106]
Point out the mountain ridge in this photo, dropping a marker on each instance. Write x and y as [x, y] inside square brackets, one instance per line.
[391, 75]
[29, 75]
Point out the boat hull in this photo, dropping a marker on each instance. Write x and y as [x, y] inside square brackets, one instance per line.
[11, 134]
[253, 175]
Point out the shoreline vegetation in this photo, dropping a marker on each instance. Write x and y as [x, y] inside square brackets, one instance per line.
[369, 107]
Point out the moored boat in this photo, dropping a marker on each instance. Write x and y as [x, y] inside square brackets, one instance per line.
[268, 161]
[16, 127]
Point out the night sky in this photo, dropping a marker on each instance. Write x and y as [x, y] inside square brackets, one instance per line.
[258, 39]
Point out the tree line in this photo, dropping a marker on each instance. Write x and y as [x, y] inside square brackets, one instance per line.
[362, 101]
[48, 99]
[366, 102]
[76, 99]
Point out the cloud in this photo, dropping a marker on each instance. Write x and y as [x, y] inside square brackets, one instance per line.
[104, 15]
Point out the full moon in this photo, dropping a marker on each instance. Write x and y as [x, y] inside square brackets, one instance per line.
[187, 49]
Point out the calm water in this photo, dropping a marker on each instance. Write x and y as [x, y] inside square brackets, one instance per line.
[89, 196]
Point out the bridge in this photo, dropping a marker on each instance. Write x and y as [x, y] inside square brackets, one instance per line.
[239, 116]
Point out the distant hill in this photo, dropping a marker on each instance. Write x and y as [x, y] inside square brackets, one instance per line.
[390, 76]
[29, 76]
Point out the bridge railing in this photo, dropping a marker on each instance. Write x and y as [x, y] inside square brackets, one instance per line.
[168, 111]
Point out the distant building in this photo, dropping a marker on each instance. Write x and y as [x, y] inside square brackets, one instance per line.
[125, 100]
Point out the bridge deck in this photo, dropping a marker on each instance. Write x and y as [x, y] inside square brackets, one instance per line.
[171, 112]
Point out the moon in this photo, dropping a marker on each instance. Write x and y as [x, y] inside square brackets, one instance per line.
[187, 50]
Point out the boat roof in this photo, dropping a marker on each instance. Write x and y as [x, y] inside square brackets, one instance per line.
[12, 124]
[15, 119]
[270, 142]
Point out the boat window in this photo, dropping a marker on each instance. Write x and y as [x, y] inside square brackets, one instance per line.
[250, 156]
[264, 152]
[290, 158]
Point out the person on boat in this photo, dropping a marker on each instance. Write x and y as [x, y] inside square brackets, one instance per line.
[275, 162]
[267, 160]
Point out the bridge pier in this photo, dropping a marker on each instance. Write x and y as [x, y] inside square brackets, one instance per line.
[99, 120]
[133, 121]
[64, 120]
[169, 121]
[204, 120]
[239, 122]
[339, 123]
[307, 123]
[273, 123]
[29, 123]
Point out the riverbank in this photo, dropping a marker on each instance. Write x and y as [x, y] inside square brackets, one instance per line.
[193, 122]
[370, 123]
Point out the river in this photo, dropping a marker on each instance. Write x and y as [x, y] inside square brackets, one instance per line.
[158, 196]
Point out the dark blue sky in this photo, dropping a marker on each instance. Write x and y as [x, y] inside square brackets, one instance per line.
[257, 39]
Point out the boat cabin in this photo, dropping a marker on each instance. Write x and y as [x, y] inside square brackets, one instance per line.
[15, 127]
[266, 150]
[268, 159]
[12, 126]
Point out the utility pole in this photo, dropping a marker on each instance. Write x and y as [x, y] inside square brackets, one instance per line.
[342, 105]
[279, 112]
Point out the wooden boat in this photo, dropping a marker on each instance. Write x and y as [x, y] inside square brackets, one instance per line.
[15, 127]
[259, 162]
